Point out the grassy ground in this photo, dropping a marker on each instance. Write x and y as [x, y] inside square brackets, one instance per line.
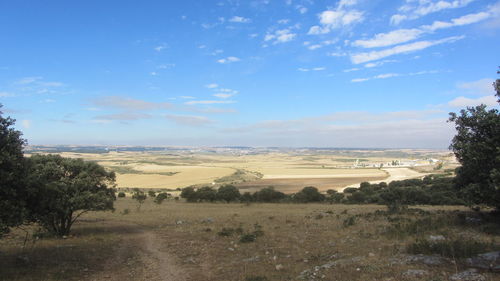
[182, 241]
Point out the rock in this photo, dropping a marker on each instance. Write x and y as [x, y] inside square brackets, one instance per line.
[489, 261]
[207, 220]
[468, 275]
[252, 259]
[231, 249]
[428, 260]
[436, 238]
[178, 222]
[279, 267]
[416, 273]
[371, 254]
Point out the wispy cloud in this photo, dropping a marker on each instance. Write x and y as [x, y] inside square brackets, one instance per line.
[125, 116]
[238, 19]
[280, 36]
[405, 35]
[342, 16]
[415, 9]
[391, 75]
[228, 60]
[311, 69]
[119, 102]
[189, 120]
[212, 85]
[479, 87]
[401, 49]
[462, 102]
[209, 102]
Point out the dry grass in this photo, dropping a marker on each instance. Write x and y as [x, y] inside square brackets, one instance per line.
[296, 237]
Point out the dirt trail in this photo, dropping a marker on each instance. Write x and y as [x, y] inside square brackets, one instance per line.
[139, 256]
[159, 261]
[395, 174]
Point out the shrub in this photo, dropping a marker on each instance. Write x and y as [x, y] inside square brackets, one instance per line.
[161, 197]
[140, 197]
[248, 237]
[350, 221]
[256, 278]
[121, 194]
[151, 194]
[455, 248]
[308, 194]
[206, 193]
[268, 194]
[228, 193]
[189, 194]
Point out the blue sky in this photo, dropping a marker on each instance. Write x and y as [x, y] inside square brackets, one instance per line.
[349, 73]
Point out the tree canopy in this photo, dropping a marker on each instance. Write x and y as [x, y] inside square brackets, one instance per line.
[477, 147]
[62, 189]
[12, 174]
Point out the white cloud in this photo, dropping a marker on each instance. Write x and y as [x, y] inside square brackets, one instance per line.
[311, 69]
[415, 9]
[301, 9]
[26, 124]
[125, 103]
[337, 18]
[283, 21]
[391, 75]
[28, 80]
[464, 102]
[6, 95]
[280, 36]
[401, 49]
[189, 120]
[208, 102]
[404, 35]
[187, 97]
[479, 87]
[238, 19]
[159, 48]
[350, 70]
[228, 60]
[212, 85]
[222, 95]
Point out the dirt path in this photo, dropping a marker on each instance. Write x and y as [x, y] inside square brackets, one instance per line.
[139, 256]
[395, 174]
[158, 262]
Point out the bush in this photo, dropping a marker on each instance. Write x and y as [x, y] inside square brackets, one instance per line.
[308, 194]
[206, 193]
[228, 193]
[268, 194]
[140, 197]
[256, 278]
[456, 248]
[189, 194]
[151, 194]
[248, 237]
[121, 194]
[350, 221]
[161, 197]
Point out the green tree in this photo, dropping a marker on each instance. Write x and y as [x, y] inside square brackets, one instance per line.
[477, 147]
[62, 189]
[152, 193]
[228, 193]
[140, 197]
[189, 194]
[161, 197]
[12, 174]
[206, 193]
[308, 194]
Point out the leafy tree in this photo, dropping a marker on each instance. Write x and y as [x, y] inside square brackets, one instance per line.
[140, 197]
[189, 194]
[268, 194]
[206, 193]
[228, 193]
[12, 174]
[151, 194]
[477, 147]
[62, 189]
[246, 197]
[161, 197]
[309, 194]
[121, 194]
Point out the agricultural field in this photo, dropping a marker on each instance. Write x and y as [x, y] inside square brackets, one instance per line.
[288, 170]
[178, 241]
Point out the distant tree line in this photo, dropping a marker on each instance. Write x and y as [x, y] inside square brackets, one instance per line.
[431, 190]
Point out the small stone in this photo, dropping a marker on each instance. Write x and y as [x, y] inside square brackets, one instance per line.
[207, 220]
[436, 238]
[231, 249]
[416, 273]
[487, 261]
[179, 222]
[279, 267]
[468, 275]
[371, 254]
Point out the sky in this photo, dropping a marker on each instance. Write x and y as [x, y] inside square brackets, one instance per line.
[290, 73]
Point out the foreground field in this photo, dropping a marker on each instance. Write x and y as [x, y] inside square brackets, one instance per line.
[181, 241]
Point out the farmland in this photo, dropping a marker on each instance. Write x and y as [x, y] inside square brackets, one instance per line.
[288, 170]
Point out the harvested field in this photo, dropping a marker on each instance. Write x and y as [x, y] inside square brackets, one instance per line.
[291, 185]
